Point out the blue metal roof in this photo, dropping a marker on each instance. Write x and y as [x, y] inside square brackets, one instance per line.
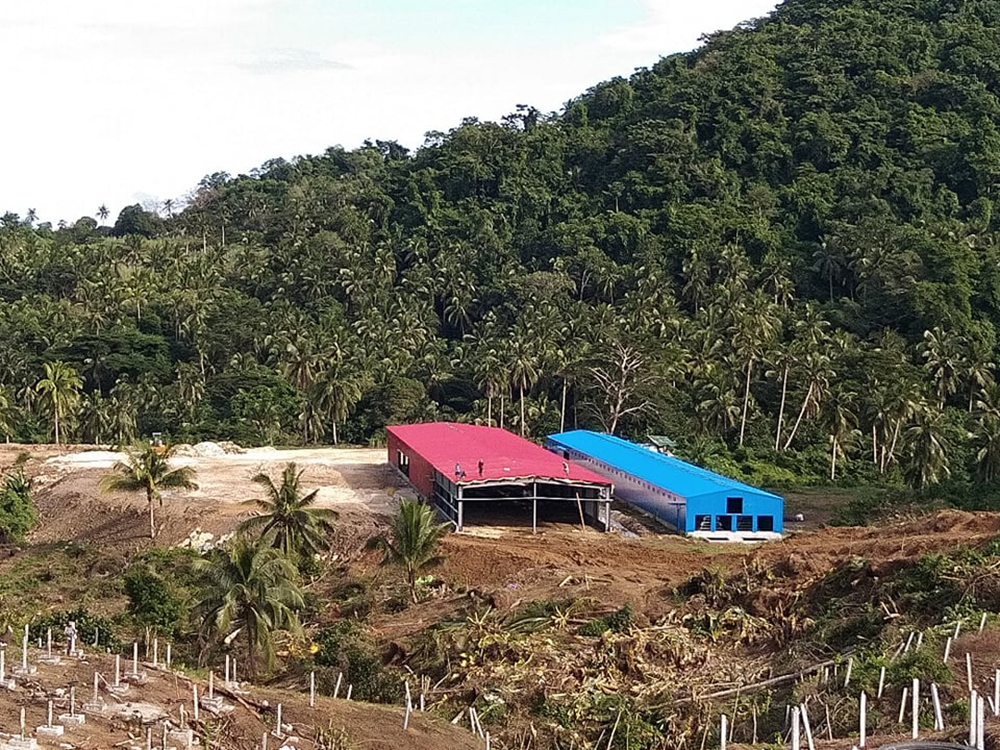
[667, 472]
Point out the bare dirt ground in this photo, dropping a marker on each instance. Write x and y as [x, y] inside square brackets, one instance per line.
[357, 483]
[507, 562]
[504, 565]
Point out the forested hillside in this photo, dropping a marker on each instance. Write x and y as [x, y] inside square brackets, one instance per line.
[779, 249]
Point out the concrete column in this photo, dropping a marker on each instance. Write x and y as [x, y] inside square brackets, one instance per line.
[460, 514]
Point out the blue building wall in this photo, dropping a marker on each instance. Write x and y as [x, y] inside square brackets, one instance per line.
[687, 497]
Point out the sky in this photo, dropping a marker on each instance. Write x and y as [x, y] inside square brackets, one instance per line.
[116, 102]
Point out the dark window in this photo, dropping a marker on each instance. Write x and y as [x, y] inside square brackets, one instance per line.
[744, 523]
[734, 505]
[723, 523]
[765, 523]
[702, 523]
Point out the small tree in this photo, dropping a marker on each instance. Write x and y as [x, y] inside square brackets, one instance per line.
[148, 470]
[18, 514]
[289, 518]
[413, 541]
[251, 592]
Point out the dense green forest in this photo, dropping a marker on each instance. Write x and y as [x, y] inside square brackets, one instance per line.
[779, 249]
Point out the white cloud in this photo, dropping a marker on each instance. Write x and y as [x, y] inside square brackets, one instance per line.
[123, 97]
[676, 25]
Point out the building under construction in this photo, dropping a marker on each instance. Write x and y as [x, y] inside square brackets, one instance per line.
[480, 475]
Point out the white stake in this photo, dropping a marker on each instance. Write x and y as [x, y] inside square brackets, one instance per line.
[406, 718]
[48, 649]
[920, 641]
[947, 649]
[350, 687]
[72, 701]
[48, 722]
[135, 658]
[168, 656]
[805, 723]
[336, 688]
[227, 669]
[881, 683]
[982, 622]
[981, 728]
[263, 742]
[24, 651]
[194, 693]
[916, 708]
[118, 670]
[968, 669]
[973, 721]
[236, 680]
[850, 667]
[936, 700]
[312, 689]
[996, 693]
[149, 738]
[156, 651]
[909, 642]
[796, 729]
[3, 665]
[958, 629]
[279, 732]
[22, 724]
[902, 705]
[723, 732]
[863, 721]
[97, 637]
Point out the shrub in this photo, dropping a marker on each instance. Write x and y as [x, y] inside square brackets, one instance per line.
[617, 622]
[87, 625]
[152, 602]
[345, 650]
[18, 514]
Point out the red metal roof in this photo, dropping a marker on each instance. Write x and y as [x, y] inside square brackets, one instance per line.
[504, 454]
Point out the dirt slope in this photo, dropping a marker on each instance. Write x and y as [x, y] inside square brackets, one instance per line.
[365, 725]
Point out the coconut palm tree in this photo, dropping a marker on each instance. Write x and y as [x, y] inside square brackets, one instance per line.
[841, 420]
[288, 517]
[944, 360]
[927, 444]
[987, 440]
[148, 469]
[755, 326]
[412, 542]
[818, 372]
[61, 389]
[6, 414]
[251, 593]
[102, 212]
[523, 357]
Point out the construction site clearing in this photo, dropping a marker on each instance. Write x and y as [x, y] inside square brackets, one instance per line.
[504, 566]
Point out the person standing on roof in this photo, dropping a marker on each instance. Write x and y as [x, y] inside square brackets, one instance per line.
[480, 467]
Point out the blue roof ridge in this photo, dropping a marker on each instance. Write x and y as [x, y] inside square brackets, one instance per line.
[675, 463]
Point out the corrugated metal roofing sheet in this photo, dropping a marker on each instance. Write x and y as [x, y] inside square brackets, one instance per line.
[667, 472]
[504, 454]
